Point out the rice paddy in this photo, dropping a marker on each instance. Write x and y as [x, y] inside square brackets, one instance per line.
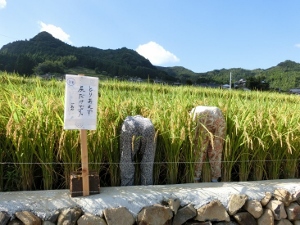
[262, 140]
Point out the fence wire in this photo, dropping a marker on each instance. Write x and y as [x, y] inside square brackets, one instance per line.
[117, 163]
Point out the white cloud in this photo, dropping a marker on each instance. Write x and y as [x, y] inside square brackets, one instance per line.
[56, 32]
[2, 4]
[156, 54]
[297, 45]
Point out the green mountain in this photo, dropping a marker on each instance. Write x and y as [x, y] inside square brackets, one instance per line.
[284, 76]
[46, 54]
[178, 71]
[42, 44]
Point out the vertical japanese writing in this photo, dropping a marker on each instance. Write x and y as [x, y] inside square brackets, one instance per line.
[85, 101]
[72, 106]
[81, 100]
[90, 101]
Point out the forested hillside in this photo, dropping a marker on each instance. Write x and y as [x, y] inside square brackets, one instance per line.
[284, 76]
[45, 54]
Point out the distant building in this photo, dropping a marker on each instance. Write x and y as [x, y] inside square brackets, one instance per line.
[226, 86]
[295, 91]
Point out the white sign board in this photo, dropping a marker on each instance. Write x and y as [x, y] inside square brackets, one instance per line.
[81, 101]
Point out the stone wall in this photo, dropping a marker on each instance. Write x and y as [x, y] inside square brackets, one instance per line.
[279, 208]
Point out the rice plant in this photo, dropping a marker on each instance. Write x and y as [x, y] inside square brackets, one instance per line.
[20, 131]
[262, 140]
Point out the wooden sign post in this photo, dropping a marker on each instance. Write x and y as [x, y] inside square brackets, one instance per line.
[81, 102]
[84, 163]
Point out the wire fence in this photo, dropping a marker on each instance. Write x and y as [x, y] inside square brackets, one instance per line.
[118, 163]
[56, 175]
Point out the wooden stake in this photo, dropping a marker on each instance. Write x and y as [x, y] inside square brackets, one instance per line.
[84, 161]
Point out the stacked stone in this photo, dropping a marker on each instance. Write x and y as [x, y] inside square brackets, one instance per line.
[279, 208]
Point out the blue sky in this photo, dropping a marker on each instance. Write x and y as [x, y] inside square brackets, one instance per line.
[200, 35]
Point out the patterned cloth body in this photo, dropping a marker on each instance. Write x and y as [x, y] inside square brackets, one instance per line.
[209, 138]
[137, 135]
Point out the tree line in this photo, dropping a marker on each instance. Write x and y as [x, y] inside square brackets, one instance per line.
[44, 54]
[284, 76]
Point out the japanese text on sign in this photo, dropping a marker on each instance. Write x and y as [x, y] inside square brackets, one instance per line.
[81, 100]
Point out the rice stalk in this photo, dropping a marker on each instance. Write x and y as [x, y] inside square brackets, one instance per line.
[277, 130]
[69, 154]
[292, 155]
[233, 145]
[262, 140]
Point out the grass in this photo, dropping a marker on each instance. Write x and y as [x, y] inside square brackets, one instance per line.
[262, 140]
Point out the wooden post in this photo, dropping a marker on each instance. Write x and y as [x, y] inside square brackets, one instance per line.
[81, 103]
[84, 161]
